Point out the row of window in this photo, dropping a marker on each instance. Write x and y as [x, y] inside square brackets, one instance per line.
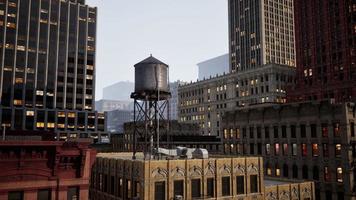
[45, 194]
[292, 129]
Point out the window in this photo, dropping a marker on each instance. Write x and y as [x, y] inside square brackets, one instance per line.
[160, 190]
[316, 173]
[324, 130]
[293, 131]
[210, 187]
[196, 188]
[285, 170]
[269, 170]
[240, 185]
[338, 150]
[44, 194]
[278, 170]
[73, 193]
[303, 132]
[304, 150]
[326, 174]
[276, 149]
[294, 149]
[253, 184]
[315, 149]
[313, 130]
[337, 131]
[284, 131]
[339, 176]
[285, 149]
[16, 195]
[252, 134]
[179, 188]
[295, 171]
[30, 113]
[352, 129]
[326, 150]
[225, 186]
[275, 131]
[266, 132]
[305, 172]
[268, 149]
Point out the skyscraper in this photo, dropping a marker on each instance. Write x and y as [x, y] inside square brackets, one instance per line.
[47, 64]
[260, 32]
[326, 50]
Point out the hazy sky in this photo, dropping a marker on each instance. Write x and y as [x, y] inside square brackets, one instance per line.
[180, 33]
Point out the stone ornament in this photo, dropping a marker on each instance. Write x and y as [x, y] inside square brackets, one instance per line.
[159, 173]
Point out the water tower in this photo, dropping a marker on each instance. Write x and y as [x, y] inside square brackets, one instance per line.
[151, 106]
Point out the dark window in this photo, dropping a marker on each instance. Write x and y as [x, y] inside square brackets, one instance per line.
[253, 184]
[324, 130]
[210, 187]
[305, 172]
[285, 170]
[73, 193]
[266, 132]
[293, 131]
[316, 173]
[258, 132]
[252, 134]
[160, 190]
[295, 171]
[303, 132]
[284, 131]
[225, 184]
[196, 188]
[252, 148]
[44, 194]
[17, 195]
[179, 188]
[275, 131]
[240, 185]
[352, 129]
[313, 130]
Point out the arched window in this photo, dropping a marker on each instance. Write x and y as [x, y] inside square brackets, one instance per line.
[316, 173]
[278, 170]
[295, 171]
[305, 172]
[285, 170]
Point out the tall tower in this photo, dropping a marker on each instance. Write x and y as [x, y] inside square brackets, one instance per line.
[326, 50]
[47, 65]
[151, 106]
[260, 32]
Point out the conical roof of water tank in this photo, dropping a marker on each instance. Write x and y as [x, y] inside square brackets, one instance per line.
[151, 60]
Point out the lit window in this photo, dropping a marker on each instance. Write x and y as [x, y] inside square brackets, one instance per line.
[304, 150]
[268, 149]
[90, 67]
[61, 114]
[71, 115]
[285, 149]
[12, 4]
[90, 48]
[17, 102]
[278, 171]
[40, 124]
[19, 80]
[89, 77]
[11, 25]
[315, 150]
[39, 92]
[276, 148]
[337, 131]
[30, 113]
[50, 125]
[338, 150]
[269, 171]
[339, 176]
[60, 125]
[90, 38]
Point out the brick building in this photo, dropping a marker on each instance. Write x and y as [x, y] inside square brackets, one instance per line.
[309, 141]
[325, 35]
[45, 170]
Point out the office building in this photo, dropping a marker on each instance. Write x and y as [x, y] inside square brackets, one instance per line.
[310, 141]
[47, 79]
[105, 105]
[173, 101]
[117, 118]
[34, 169]
[260, 32]
[204, 102]
[119, 91]
[212, 67]
[325, 50]
[117, 176]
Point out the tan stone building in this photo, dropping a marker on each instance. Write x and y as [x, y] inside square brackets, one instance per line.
[310, 141]
[116, 176]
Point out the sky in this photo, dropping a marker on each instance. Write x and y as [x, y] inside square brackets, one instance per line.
[181, 33]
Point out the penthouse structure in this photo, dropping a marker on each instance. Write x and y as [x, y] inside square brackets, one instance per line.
[309, 140]
[47, 65]
[260, 32]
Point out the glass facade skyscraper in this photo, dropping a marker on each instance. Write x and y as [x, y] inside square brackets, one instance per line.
[47, 62]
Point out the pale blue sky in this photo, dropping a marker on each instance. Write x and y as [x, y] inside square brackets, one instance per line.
[181, 33]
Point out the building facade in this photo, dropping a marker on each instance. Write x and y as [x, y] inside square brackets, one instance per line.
[117, 176]
[173, 101]
[117, 118]
[260, 32]
[179, 134]
[214, 66]
[325, 50]
[309, 141]
[45, 170]
[203, 102]
[47, 63]
[105, 105]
